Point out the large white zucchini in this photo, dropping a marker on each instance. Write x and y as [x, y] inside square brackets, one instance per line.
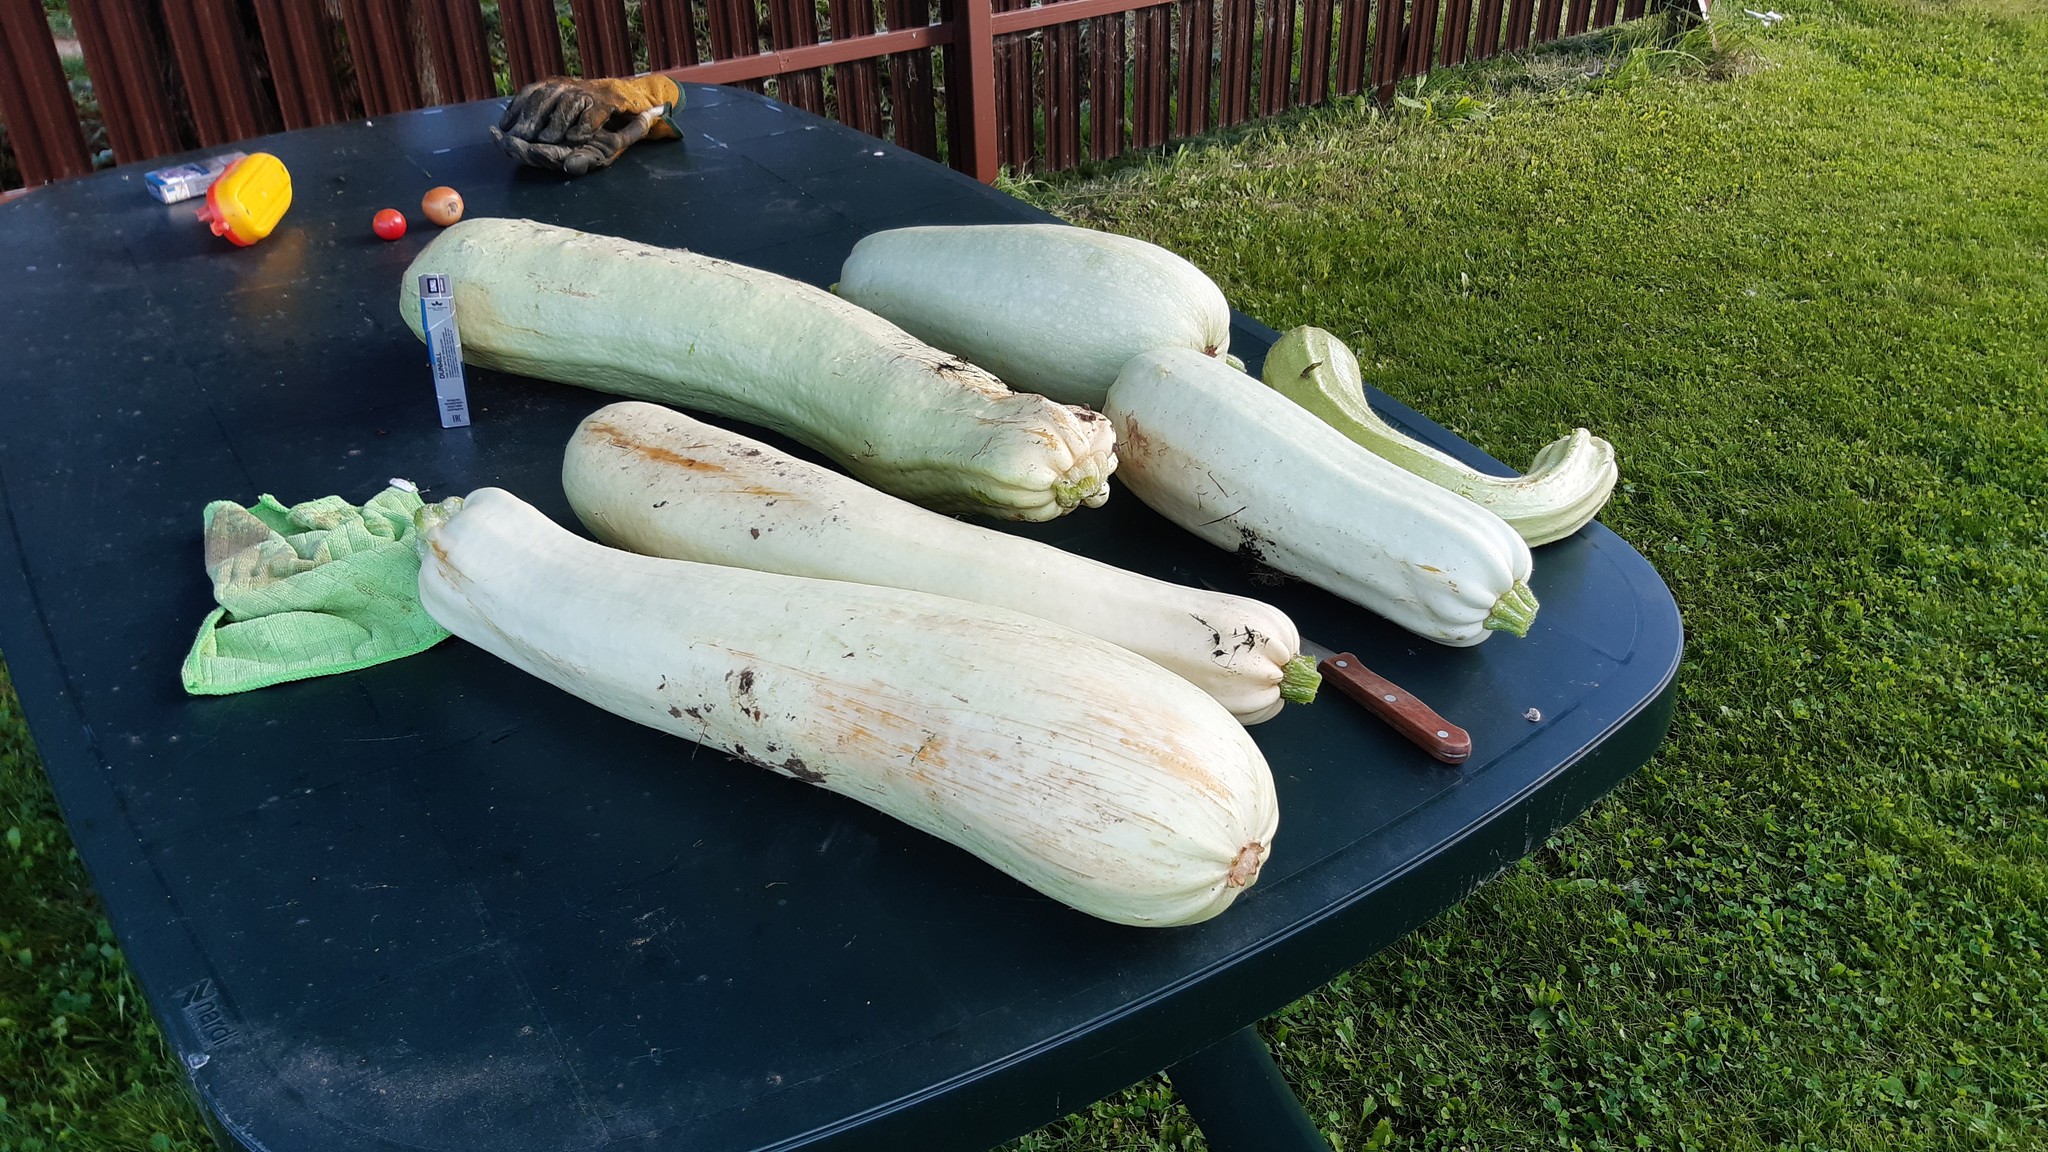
[1090, 774]
[673, 326]
[1565, 487]
[1048, 307]
[1243, 467]
[644, 478]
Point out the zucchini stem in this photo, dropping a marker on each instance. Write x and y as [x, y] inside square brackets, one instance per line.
[1299, 680]
[431, 516]
[1514, 611]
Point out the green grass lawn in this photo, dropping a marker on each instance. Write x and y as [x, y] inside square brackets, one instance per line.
[1808, 301]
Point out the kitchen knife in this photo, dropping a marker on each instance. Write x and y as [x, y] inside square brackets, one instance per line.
[1408, 716]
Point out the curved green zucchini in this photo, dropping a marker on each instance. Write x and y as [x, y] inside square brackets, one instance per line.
[1565, 487]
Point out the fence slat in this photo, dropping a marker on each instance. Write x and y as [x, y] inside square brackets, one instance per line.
[1421, 42]
[300, 53]
[1234, 76]
[127, 77]
[35, 98]
[216, 64]
[533, 41]
[1457, 32]
[1192, 114]
[1632, 9]
[1578, 15]
[1060, 94]
[857, 84]
[793, 24]
[732, 26]
[1549, 16]
[1521, 18]
[1276, 63]
[602, 44]
[457, 49]
[1354, 46]
[1013, 92]
[1151, 61]
[1386, 49]
[910, 83]
[1062, 97]
[1013, 100]
[1603, 13]
[380, 46]
[1106, 87]
[1313, 85]
[1486, 36]
[671, 33]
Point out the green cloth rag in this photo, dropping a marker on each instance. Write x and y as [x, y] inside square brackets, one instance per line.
[310, 590]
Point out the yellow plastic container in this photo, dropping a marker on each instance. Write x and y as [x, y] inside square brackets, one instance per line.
[249, 199]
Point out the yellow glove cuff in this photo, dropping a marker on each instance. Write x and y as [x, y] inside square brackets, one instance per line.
[639, 93]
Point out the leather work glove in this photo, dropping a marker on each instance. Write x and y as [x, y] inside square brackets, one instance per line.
[575, 126]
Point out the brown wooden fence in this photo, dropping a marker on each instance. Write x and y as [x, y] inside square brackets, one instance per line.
[980, 84]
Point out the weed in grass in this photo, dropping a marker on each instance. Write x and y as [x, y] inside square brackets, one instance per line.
[1719, 48]
[1433, 108]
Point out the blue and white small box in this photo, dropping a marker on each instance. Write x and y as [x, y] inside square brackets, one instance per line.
[444, 348]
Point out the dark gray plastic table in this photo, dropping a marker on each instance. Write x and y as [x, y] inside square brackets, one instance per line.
[440, 905]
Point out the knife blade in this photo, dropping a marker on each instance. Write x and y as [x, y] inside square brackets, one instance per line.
[1394, 704]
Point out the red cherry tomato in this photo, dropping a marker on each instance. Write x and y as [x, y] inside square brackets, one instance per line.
[389, 224]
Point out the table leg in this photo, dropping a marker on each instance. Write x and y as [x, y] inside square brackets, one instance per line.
[1240, 1100]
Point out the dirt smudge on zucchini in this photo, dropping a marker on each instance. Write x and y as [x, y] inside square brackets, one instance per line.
[743, 694]
[804, 772]
[1250, 546]
[1134, 439]
[625, 442]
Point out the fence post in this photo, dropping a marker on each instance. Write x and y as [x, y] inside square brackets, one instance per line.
[974, 50]
[35, 99]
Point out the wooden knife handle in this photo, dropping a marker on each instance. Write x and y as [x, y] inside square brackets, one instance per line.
[1409, 716]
